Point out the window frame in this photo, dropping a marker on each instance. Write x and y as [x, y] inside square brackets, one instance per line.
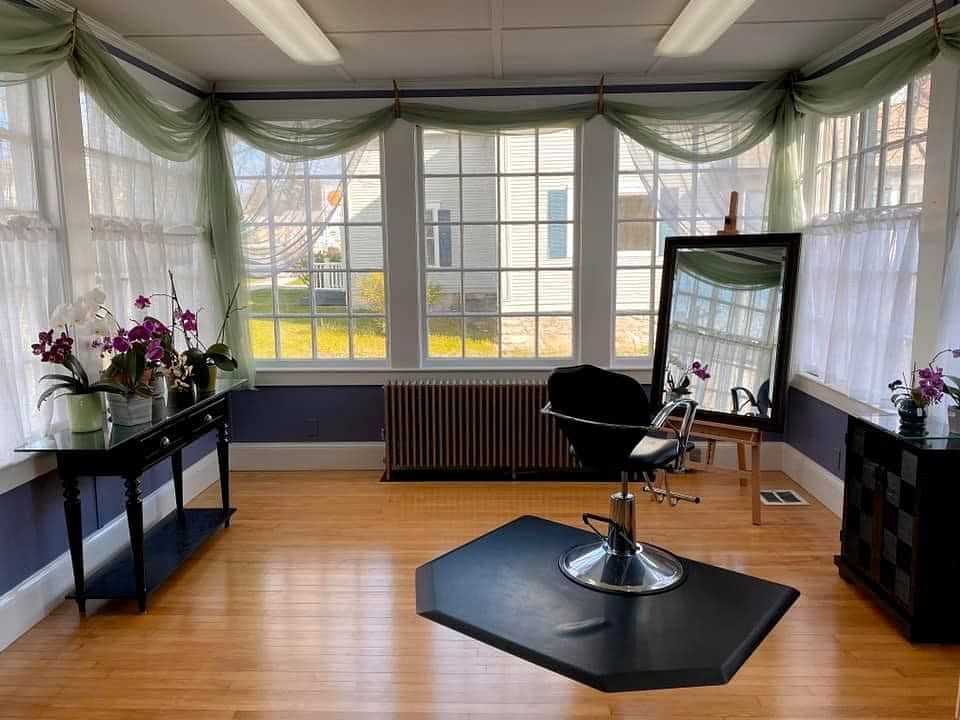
[537, 362]
[279, 363]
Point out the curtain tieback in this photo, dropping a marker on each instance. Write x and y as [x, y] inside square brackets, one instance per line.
[937, 27]
[396, 99]
[600, 96]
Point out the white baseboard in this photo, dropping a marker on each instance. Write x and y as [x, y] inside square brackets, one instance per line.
[33, 599]
[812, 477]
[306, 456]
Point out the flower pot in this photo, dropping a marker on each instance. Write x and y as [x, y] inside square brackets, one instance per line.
[85, 412]
[181, 397]
[211, 380]
[953, 418]
[913, 417]
[130, 409]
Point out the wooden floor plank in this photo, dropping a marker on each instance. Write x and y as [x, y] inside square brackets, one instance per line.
[305, 610]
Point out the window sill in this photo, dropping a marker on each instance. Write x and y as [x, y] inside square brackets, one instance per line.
[833, 397]
[298, 376]
[24, 469]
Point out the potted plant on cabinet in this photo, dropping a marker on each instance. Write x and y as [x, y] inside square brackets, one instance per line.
[678, 378]
[925, 387]
[84, 405]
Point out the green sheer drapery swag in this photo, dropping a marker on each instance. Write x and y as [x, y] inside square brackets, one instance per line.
[713, 268]
[35, 42]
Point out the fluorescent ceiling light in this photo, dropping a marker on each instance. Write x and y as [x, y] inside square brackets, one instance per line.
[699, 26]
[287, 24]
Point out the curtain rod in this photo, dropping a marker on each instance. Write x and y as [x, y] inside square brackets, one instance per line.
[877, 42]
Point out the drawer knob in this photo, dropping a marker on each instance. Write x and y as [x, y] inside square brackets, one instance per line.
[208, 418]
[164, 442]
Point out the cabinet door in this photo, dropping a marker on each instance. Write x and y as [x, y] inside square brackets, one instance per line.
[899, 519]
[861, 536]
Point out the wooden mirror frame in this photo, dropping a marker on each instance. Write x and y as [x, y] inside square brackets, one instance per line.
[790, 242]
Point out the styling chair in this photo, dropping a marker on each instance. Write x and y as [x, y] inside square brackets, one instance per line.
[759, 405]
[606, 418]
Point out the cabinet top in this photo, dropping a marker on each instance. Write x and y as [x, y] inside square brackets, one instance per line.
[936, 435]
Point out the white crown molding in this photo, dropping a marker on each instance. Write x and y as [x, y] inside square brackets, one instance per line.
[892, 21]
[36, 597]
[114, 38]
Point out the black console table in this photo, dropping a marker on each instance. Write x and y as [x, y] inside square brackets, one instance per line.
[900, 536]
[126, 453]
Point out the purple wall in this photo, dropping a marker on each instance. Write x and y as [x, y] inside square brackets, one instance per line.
[816, 429]
[32, 529]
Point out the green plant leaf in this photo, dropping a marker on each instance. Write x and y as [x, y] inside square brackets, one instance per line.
[52, 389]
[74, 366]
[59, 377]
[219, 349]
[108, 387]
[224, 362]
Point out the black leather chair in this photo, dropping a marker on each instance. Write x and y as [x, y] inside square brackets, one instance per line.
[752, 405]
[606, 417]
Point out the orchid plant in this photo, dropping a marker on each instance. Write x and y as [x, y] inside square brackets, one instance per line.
[926, 385]
[678, 377]
[137, 354]
[85, 314]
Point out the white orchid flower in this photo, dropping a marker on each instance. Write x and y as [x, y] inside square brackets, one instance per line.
[79, 312]
[95, 297]
[60, 315]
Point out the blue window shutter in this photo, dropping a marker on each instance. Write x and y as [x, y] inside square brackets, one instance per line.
[557, 234]
[444, 239]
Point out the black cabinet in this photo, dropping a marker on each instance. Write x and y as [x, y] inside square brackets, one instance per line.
[900, 540]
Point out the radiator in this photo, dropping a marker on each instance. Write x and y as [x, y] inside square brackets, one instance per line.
[471, 426]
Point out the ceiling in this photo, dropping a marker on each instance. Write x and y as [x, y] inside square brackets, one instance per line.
[484, 39]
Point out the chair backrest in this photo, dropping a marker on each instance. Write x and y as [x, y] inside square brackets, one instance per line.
[588, 395]
[763, 398]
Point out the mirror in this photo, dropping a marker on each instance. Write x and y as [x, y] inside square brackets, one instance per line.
[724, 327]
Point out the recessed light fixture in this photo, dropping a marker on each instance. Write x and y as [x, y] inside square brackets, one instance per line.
[287, 24]
[699, 26]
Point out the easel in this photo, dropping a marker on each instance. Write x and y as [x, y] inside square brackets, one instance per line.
[744, 437]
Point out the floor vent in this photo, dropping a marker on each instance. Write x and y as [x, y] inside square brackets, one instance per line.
[781, 497]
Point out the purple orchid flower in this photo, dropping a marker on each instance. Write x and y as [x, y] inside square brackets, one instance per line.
[189, 321]
[142, 302]
[138, 333]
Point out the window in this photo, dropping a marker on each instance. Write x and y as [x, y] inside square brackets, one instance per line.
[858, 273]
[314, 247]
[31, 258]
[876, 158]
[658, 197]
[499, 244]
[143, 212]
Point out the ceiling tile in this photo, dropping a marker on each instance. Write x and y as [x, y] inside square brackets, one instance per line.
[567, 13]
[571, 51]
[373, 15]
[781, 10]
[250, 58]
[169, 17]
[413, 55]
[783, 46]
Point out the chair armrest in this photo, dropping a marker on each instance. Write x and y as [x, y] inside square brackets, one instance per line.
[686, 425]
[548, 410]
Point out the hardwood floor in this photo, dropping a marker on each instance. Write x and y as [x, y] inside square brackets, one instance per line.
[304, 608]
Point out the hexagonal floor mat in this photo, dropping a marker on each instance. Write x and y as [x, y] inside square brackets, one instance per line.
[506, 589]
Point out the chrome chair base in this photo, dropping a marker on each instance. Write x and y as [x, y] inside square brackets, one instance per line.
[647, 570]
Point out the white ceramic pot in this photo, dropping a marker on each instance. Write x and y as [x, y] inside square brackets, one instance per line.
[84, 412]
[130, 409]
[953, 418]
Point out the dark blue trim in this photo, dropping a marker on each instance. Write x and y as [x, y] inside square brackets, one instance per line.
[155, 71]
[881, 40]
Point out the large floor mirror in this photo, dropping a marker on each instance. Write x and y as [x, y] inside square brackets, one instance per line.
[724, 326]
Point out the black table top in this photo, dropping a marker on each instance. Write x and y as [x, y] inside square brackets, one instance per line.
[112, 436]
[506, 589]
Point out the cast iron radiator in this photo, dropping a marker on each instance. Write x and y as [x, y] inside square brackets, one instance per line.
[471, 426]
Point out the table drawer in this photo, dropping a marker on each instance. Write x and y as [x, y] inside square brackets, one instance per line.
[205, 418]
[163, 441]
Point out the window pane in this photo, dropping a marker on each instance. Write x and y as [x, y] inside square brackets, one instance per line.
[479, 153]
[518, 291]
[480, 292]
[444, 337]
[367, 293]
[634, 290]
[326, 200]
[517, 198]
[479, 199]
[296, 339]
[635, 196]
[872, 125]
[441, 152]
[839, 194]
[892, 175]
[369, 338]
[825, 144]
[920, 110]
[293, 292]
[262, 338]
[481, 337]
[366, 247]
[897, 115]
[918, 160]
[555, 337]
[635, 243]
[871, 178]
[328, 166]
[518, 152]
[247, 160]
[480, 246]
[288, 198]
[556, 150]
[260, 291]
[253, 201]
[332, 339]
[634, 157]
[555, 288]
[443, 292]
[675, 195]
[363, 200]
[442, 194]
[365, 160]
[556, 199]
[632, 336]
[556, 245]
[442, 243]
[330, 292]
[518, 336]
[518, 246]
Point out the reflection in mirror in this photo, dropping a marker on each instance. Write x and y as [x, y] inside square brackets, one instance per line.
[724, 328]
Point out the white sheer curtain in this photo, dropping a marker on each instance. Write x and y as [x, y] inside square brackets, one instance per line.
[142, 214]
[949, 335]
[855, 314]
[31, 264]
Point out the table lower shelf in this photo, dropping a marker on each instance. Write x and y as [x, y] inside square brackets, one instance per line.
[166, 546]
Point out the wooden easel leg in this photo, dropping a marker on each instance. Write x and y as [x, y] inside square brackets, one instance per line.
[742, 463]
[755, 482]
[711, 451]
